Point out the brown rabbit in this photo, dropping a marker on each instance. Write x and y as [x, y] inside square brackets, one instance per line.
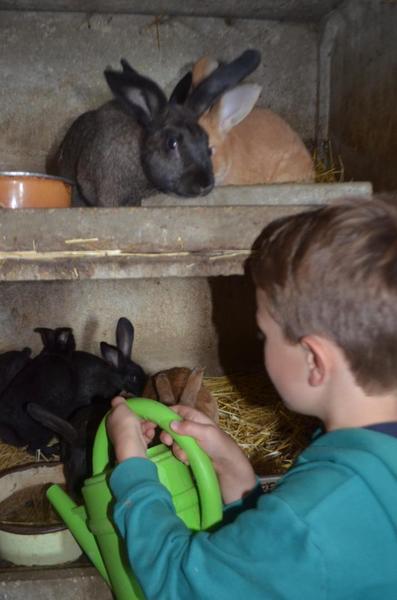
[181, 385]
[250, 145]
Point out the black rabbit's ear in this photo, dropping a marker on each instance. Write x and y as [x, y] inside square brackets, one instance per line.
[138, 94]
[223, 78]
[181, 90]
[112, 355]
[192, 387]
[124, 336]
[52, 422]
[65, 338]
[47, 336]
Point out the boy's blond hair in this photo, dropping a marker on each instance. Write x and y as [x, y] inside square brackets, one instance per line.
[332, 271]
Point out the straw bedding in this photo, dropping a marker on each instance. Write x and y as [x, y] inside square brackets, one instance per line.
[328, 167]
[250, 411]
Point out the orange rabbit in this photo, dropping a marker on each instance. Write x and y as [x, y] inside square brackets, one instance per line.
[250, 145]
[181, 385]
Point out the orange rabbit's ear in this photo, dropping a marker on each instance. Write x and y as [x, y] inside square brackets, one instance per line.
[192, 387]
[202, 68]
[164, 389]
[235, 105]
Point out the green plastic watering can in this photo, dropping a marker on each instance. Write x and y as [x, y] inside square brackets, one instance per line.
[197, 499]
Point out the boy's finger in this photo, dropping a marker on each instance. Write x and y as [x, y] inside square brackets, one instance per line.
[166, 438]
[188, 428]
[188, 412]
[117, 400]
[180, 454]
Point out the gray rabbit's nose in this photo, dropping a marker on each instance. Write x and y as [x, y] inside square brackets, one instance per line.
[205, 183]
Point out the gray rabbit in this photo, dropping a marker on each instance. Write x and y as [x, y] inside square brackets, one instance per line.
[140, 141]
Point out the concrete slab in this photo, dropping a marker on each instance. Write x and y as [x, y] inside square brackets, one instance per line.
[65, 583]
[268, 195]
[294, 10]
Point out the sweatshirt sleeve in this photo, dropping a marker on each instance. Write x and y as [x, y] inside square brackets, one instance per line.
[233, 509]
[265, 552]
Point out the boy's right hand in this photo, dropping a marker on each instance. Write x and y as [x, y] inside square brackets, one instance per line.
[235, 473]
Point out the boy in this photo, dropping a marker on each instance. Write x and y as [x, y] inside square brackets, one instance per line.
[327, 304]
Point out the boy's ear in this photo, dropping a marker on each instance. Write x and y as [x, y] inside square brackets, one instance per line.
[318, 359]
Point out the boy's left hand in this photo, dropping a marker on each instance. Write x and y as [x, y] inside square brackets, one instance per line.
[129, 434]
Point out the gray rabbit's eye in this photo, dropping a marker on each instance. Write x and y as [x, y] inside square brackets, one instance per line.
[172, 143]
[210, 151]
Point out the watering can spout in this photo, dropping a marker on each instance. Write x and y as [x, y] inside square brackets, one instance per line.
[75, 518]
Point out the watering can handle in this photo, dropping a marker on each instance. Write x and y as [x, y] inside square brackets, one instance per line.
[203, 471]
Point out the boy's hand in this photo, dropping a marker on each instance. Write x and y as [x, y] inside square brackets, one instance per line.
[235, 473]
[130, 436]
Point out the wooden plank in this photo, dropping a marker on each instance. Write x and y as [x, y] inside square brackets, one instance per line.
[135, 229]
[184, 264]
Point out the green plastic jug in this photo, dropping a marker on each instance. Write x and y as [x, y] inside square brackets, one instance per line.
[195, 494]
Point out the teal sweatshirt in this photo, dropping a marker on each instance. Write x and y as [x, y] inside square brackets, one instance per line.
[327, 531]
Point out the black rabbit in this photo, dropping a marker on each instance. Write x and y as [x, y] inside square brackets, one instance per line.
[59, 341]
[119, 153]
[48, 380]
[103, 378]
[11, 363]
[77, 436]
[61, 380]
[98, 378]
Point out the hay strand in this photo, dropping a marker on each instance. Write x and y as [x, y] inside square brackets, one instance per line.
[251, 412]
[328, 168]
[10, 456]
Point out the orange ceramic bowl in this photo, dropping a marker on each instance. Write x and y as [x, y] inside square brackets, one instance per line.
[34, 190]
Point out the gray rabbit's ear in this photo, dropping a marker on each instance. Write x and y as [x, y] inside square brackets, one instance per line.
[164, 389]
[181, 90]
[124, 336]
[53, 422]
[112, 355]
[138, 94]
[192, 387]
[223, 78]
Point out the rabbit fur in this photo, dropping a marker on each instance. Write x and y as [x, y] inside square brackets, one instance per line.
[181, 385]
[99, 378]
[61, 380]
[140, 141]
[48, 380]
[250, 145]
[76, 436]
[11, 363]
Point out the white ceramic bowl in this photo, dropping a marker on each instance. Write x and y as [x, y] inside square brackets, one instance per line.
[34, 545]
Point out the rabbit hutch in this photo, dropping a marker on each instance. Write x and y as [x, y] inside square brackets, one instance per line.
[175, 266]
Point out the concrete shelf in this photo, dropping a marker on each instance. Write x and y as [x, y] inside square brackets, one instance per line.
[269, 9]
[162, 239]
